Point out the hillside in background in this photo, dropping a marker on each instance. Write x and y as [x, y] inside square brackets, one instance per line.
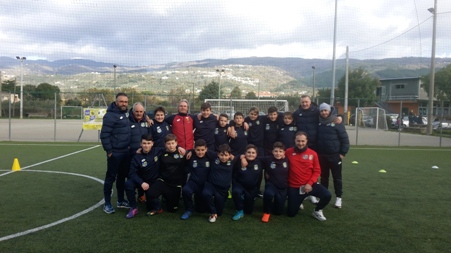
[283, 75]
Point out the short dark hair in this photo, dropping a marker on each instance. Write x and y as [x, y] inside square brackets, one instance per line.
[288, 114]
[170, 137]
[278, 144]
[224, 115]
[205, 106]
[254, 109]
[224, 148]
[249, 146]
[200, 143]
[301, 133]
[238, 114]
[120, 94]
[159, 109]
[147, 137]
[272, 109]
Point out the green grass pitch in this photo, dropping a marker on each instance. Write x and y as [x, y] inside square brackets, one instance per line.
[405, 209]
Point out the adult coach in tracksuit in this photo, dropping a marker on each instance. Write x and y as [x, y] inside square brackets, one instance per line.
[333, 145]
[138, 127]
[182, 126]
[115, 138]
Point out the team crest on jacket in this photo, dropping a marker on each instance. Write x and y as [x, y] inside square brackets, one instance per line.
[155, 159]
[229, 163]
[245, 133]
[305, 157]
[292, 129]
[143, 163]
[159, 130]
[284, 164]
[195, 164]
[177, 156]
[207, 164]
[267, 127]
[217, 161]
[332, 124]
[216, 131]
[310, 157]
[273, 165]
[250, 124]
[243, 168]
[132, 126]
[255, 166]
[126, 115]
[143, 124]
[188, 119]
[257, 122]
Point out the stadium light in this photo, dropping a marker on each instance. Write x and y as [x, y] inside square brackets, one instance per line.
[21, 59]
[432, 78]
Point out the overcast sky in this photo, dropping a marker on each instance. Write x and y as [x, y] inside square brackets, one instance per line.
[142, 32]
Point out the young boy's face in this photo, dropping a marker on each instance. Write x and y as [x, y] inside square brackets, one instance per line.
[224, 156]
[250, 154]
[200, 151]
[159, 116]
[300, 141]
[253, 115]
[238, 120]
[223, 121]
[206, 113]
[278, 153]
[146, 145]
[171, 145]
[287, 120]
[272, 116]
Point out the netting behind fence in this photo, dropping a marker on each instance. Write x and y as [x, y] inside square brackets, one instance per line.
[230, 106]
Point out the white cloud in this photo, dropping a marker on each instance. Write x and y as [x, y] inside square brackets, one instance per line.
[138, 32]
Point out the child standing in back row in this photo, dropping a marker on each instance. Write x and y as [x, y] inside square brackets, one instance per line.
[287, 130]
[239, 142]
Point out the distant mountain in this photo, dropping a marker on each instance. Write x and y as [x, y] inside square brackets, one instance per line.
[267, 71]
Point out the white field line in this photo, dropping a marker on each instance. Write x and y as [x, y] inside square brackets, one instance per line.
[62, 220]
[51, 160]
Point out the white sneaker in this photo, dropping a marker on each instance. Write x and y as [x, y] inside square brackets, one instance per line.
[313, 200]
[301, 207]
[338, 203]
[319, 215]
[212, 218]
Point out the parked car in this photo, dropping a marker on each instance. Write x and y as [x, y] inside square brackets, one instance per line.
[436, 125]
[417, 121]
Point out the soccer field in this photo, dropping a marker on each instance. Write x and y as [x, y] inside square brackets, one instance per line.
[53, 204]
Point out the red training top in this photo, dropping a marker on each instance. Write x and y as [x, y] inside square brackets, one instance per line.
[304, 167]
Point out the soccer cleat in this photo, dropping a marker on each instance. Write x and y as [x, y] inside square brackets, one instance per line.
[154, 212]
[186, 215]
[132, 213]
[142, 199]
[319, 215]
[313, 200]
[123, 204]
[238, 215]
[338, 203]
[301, 207]
[108, 208]
[212, 218]
[265, 217]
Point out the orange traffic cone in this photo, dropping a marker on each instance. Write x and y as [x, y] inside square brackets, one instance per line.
[16, 165]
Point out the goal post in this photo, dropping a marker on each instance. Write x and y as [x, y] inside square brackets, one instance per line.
[231, 106]
[371, 117]
[71, 112]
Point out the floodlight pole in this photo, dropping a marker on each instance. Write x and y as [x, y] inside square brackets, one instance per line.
[432, 78]
[313, 95]
[21, 59]
[332, 92]
[220, 72]
[114, 88]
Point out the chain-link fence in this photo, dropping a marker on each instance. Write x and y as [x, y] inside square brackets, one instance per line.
[60, 116]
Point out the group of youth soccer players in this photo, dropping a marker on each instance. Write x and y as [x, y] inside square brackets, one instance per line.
[228, 157]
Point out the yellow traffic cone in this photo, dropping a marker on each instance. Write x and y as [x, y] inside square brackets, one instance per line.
[16, 165]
